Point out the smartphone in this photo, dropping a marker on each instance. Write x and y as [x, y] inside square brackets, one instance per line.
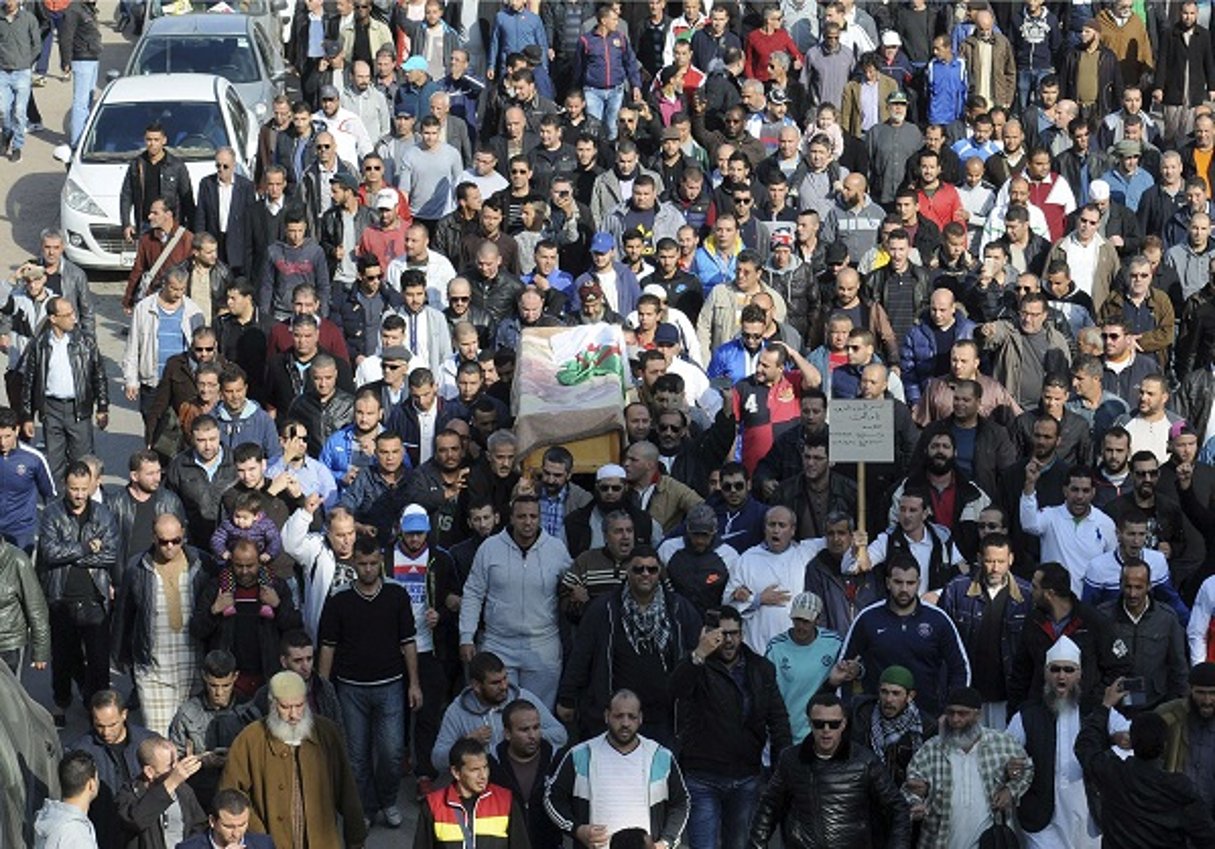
[712, 619]
[1136, 692]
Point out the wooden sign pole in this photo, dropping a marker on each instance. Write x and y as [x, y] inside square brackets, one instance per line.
[860, 497]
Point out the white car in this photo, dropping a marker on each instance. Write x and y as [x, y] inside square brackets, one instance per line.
[198, 112]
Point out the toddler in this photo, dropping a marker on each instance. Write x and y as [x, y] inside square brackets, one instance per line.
[247, 521]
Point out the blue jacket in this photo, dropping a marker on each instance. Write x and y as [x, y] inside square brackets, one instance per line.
[919, 349]
[605, 61]
[627, 288]
[24, 475]
[947, 90]
[373, 503]
[926, 642]
[967, 602]
[729, 360]
[336, 454]
[203, 841]
[415, 98]
[1036, 40]
[252, 425]
[512, 32]
[710, 268]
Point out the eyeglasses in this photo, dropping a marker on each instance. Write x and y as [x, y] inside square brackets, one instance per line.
[733, 634]
[1146, 473]
[324, 146]
[1111, 336]
[1089, 222]
[820, 724]
[204, 349]
[373, 167]
[610, 487]
[852, 347]
[170, 541]
[458, 299]
[1059, 669]
[223, 166]
[522, 171]
[563, 194]
[393, 366]
[669, 428]
[646, 570]
[742, 200]
[373, 276]
[737, 486]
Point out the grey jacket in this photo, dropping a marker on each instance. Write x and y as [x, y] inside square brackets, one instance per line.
[667, 221]
[23, 613]
[20, 41]
[468, 713]
[606, 196]
[63, 826]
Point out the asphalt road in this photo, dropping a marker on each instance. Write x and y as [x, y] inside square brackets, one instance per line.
[31, 191]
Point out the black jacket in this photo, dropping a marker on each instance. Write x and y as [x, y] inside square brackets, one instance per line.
[349, 313]
[845, 802]
[699, 455]
[541, 830]
[588, 682]
[264, 230]
[63, 543]
[135, 605]
[1109, 79]
[206, 216]
[245, 345]
[792, 493]
[216, 631]
[330, 232]
[1106, 656]
[164, 501]
[898, 754]
[497, 296]
[88, 374]
[141, 806]
[199, 494]
[79, 34]
[993, 451]
[1143, 806]
[1173, 53]
[322, 418]
[284, 382]
[136, 197]
[717, 733]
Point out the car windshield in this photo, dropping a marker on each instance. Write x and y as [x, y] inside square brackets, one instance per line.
[195, 130]
[229, 56]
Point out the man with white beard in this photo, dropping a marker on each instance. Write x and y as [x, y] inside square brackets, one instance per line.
[762, 586]
[293, 767]
[966, 776]
[1054, 812]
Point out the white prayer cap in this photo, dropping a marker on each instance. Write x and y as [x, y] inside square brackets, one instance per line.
[1063, 651]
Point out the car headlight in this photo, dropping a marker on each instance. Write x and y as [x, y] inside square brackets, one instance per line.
[260, 111]
[78, 199]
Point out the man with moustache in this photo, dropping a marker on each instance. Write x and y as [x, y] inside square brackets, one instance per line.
[1191, 729]
[293, 767]
[1054, 812]
[520, 763]
[988, 769]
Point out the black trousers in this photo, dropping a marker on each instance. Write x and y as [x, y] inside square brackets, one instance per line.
[68, 438]
[436, 677]
[79, 653]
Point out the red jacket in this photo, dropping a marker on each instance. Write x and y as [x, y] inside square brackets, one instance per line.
[497, 821]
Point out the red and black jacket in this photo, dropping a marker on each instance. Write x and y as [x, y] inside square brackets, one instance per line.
[496, 822]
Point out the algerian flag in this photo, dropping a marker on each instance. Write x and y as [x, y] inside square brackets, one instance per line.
[585, 353]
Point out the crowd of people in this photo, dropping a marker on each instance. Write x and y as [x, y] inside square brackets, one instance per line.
[993, 219]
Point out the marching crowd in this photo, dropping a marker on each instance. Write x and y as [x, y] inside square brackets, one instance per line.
[993, 219]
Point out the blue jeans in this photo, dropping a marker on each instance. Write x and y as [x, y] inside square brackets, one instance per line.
[44, 58]
[1027, 84]
[604, 104]
[84, 82]
[374, 717]
[723, 805]
[14, 100]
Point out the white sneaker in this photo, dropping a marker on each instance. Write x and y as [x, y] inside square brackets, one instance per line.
[392, 816]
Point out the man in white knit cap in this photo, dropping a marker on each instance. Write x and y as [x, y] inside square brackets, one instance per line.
[1054, 812]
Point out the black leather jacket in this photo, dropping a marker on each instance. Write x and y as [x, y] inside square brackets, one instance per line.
[88, 374]
[332, 231]
[496, 296]
[164, 500]
[64, 543]
[838, 803]
[135, 605]
[199, 494]
[322, 418]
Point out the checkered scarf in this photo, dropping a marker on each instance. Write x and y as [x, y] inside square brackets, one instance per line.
[648, 629]
[884, 733]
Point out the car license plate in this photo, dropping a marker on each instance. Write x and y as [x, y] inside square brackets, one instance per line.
[128, 258]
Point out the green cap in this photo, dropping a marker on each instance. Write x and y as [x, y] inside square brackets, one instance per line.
[899, 676]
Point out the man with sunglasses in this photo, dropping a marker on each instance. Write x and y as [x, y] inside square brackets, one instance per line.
[722, 768]
[177, 385]
[161, 656]
[223, 198]
[825, 792]
[630, 636]
[342, 225]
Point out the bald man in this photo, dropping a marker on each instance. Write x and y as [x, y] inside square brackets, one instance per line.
[854, 219]
[924, 353]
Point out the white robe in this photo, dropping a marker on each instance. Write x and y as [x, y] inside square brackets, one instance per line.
[759, 568]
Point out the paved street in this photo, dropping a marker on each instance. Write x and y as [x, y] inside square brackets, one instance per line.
[31, 203]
